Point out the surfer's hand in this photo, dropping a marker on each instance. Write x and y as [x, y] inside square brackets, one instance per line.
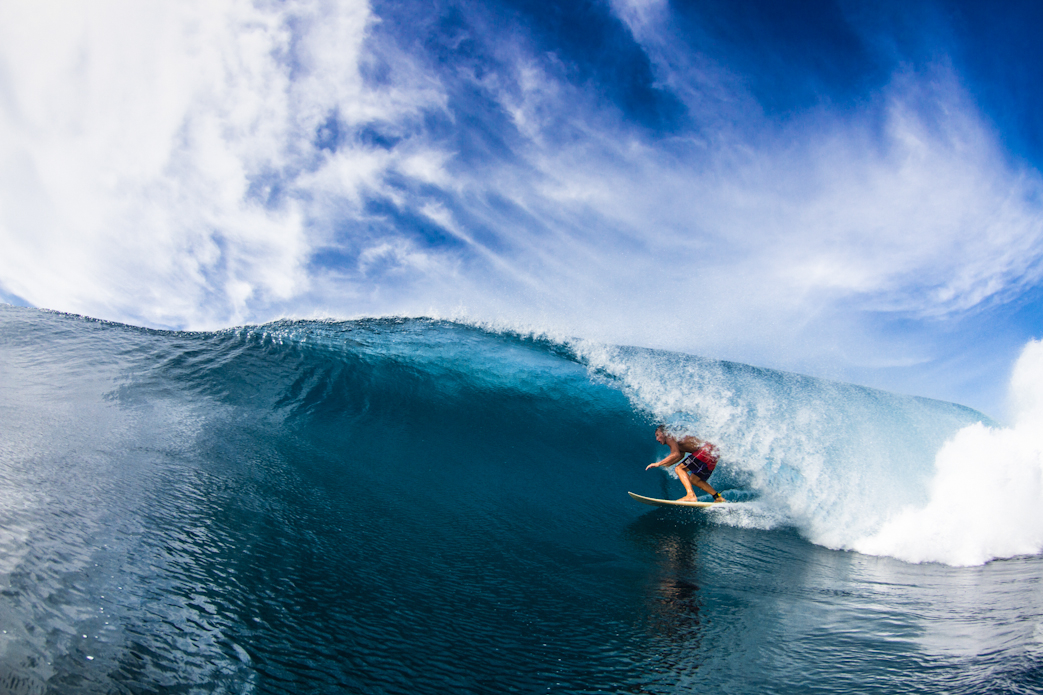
[652, 465]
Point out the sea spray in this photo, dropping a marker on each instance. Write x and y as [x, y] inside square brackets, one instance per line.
[986, 496]
[834, 460]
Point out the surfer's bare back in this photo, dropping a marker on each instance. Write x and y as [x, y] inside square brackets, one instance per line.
[696, 457]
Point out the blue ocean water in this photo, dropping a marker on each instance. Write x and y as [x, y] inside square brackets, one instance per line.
[416, 506]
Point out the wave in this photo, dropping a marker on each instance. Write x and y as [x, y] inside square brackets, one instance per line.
[465, 412]
[855, 468]
[413, 505]
[837, 461]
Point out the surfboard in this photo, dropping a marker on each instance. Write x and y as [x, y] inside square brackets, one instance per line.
[671, 503]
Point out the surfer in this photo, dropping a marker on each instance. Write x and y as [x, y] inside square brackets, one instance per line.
[696, 458]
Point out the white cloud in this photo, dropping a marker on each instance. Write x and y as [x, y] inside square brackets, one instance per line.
[159, 164]
[765, 248]
[152, 152]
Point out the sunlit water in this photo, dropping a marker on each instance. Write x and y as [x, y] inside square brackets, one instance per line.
[413, 506]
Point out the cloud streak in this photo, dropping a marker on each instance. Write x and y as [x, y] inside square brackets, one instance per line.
[206, 164]
[161, 159]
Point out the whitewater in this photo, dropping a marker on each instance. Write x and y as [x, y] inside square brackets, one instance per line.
[413, 505]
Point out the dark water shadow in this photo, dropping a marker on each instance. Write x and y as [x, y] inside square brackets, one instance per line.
[675, 623]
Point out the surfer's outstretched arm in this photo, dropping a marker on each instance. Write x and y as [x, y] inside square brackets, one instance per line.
[668, 461]
[673, 457]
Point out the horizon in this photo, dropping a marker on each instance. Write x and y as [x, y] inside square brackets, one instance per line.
[847, 192]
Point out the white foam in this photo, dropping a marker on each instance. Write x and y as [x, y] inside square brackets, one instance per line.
[837, 461]
[986, 497]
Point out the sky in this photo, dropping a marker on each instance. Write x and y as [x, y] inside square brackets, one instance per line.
[848, 190]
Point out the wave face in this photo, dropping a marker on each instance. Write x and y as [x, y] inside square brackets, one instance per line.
[420, 506]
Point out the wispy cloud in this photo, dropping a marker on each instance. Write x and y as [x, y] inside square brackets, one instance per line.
[201, 164]
[162, 163]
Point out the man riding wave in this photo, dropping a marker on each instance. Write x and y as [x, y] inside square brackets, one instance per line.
[696, 459]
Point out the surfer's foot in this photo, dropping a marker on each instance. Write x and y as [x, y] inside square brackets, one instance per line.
[689, 498]
[717, 497]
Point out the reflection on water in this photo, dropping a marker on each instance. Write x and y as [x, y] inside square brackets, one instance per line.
[673, 600]
[673, 622]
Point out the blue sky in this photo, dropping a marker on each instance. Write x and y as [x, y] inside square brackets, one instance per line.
[850, 190]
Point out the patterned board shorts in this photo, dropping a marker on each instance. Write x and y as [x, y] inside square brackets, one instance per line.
[696, 467]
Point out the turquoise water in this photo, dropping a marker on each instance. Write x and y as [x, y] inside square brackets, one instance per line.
[393, 506]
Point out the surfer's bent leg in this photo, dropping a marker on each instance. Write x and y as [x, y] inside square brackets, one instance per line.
[703, 485]
[686, 479]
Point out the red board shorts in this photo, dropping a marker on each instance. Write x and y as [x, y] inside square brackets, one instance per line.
[697, 466]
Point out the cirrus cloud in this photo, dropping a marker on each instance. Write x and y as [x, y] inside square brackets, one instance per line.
[192, 164]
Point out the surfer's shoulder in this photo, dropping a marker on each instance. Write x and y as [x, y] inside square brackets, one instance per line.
[689, 443]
